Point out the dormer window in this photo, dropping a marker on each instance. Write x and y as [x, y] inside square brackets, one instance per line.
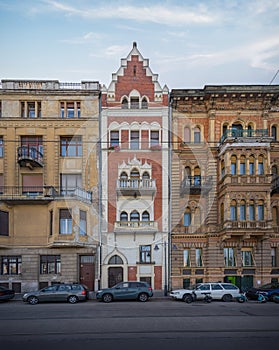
[144, 103]
[124, 104]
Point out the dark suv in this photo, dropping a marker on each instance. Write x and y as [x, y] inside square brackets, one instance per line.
[71, 293]
[126, 291]
[269, 290]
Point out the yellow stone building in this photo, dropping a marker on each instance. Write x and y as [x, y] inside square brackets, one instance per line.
[225, 166]
[48, 183]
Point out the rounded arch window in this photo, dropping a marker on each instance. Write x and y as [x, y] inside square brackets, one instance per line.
[115, 260]
[274, 132]
[261, 165]
[197, 135]
[124, 103]
[252, 210]
[197, 176]
[251, 165]
[237, 130]
[145, 176]
[250, 130]
[123, 216]
[233, 210]
[144, 103]
[242, 165]
[187, 217]
[233, 165]
[242, 211]
[134, 216]
[134, 174]
[145, 216]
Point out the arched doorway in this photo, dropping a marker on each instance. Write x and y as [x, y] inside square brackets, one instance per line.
[115, 273]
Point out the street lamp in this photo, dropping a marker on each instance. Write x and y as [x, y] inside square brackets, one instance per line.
[165, 264]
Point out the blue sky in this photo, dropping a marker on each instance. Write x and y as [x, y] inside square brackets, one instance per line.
[190, 43]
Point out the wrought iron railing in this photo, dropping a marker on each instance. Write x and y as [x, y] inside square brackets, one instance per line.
[238, 133]
[31, 153]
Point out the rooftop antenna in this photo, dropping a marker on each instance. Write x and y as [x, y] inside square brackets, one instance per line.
[274, 77]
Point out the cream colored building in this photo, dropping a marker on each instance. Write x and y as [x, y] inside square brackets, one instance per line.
[48, 183]
[225, 169]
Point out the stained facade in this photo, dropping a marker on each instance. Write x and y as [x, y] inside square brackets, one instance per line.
[48, 183]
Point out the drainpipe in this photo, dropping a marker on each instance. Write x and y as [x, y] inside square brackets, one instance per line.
[170, 190]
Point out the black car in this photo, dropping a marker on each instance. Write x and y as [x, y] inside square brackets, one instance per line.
[269, 290]
[6, 293]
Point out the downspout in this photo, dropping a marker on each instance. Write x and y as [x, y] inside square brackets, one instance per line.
[170, 190]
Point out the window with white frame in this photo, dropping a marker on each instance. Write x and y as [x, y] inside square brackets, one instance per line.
[186, 258]
[198, 257]
[247, 257]
[154, 138]
[134, 139]
[229, 257]
[65, 221]
[145, 253]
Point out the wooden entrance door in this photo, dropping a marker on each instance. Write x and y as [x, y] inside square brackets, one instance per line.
[87, 271]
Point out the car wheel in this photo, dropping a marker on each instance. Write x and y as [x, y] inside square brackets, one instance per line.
[274, 297]
[227, 297]
[33, 300]
[107, 298]
[143, 297]
[187, 298]
[72, 299]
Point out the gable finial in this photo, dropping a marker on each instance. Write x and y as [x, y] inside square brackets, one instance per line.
[134, 44]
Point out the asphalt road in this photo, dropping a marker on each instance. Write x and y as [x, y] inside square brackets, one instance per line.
[156, 324]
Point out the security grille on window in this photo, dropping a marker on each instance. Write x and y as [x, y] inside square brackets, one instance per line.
[50, 264]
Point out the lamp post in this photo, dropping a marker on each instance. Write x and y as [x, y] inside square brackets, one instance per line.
[165, 265]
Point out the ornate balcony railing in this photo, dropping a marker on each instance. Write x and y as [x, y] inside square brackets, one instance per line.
[135, 186]
[244, 133]
[42, 193]
[196, 184]
[29, 155]
[138, 226]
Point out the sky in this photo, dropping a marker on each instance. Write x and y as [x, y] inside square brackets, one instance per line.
[189, 43]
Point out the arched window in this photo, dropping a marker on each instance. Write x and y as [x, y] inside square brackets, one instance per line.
[187, 217]
[123, 216]
[225, 128]
[252, 211]
[145, 216]
[197, 176]
[115, 260]
[233, 211]
[144, 103]
[261, 211]
[242, 212]
[274, 132]
[250, 130]
[197, 135]
[187, 135]
[123, 179]
[233, 165]
[237, 130]
[134, 176]
[242, 168]
[251, 165]
[145, 176]
[134, 216]
[261, 165]
[124, 104]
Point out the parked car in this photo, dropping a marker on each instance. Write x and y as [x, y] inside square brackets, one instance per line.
[217, 290]
[6, 293]
[270, 291]
[71, 293]
[126, 291]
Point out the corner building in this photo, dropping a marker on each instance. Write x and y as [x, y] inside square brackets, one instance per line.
[48, 183]
[135, 175]
[225, 185]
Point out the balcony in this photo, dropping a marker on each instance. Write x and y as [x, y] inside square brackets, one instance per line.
[29, 157]
[135, 187]
[69, 240]
[135, 226]
[245, 229]
[41, 194]
[245, 135]
[196, 185]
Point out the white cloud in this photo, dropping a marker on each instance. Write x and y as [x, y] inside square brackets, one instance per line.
[85, 39]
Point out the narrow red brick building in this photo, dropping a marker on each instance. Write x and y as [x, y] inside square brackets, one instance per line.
[135, 176]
